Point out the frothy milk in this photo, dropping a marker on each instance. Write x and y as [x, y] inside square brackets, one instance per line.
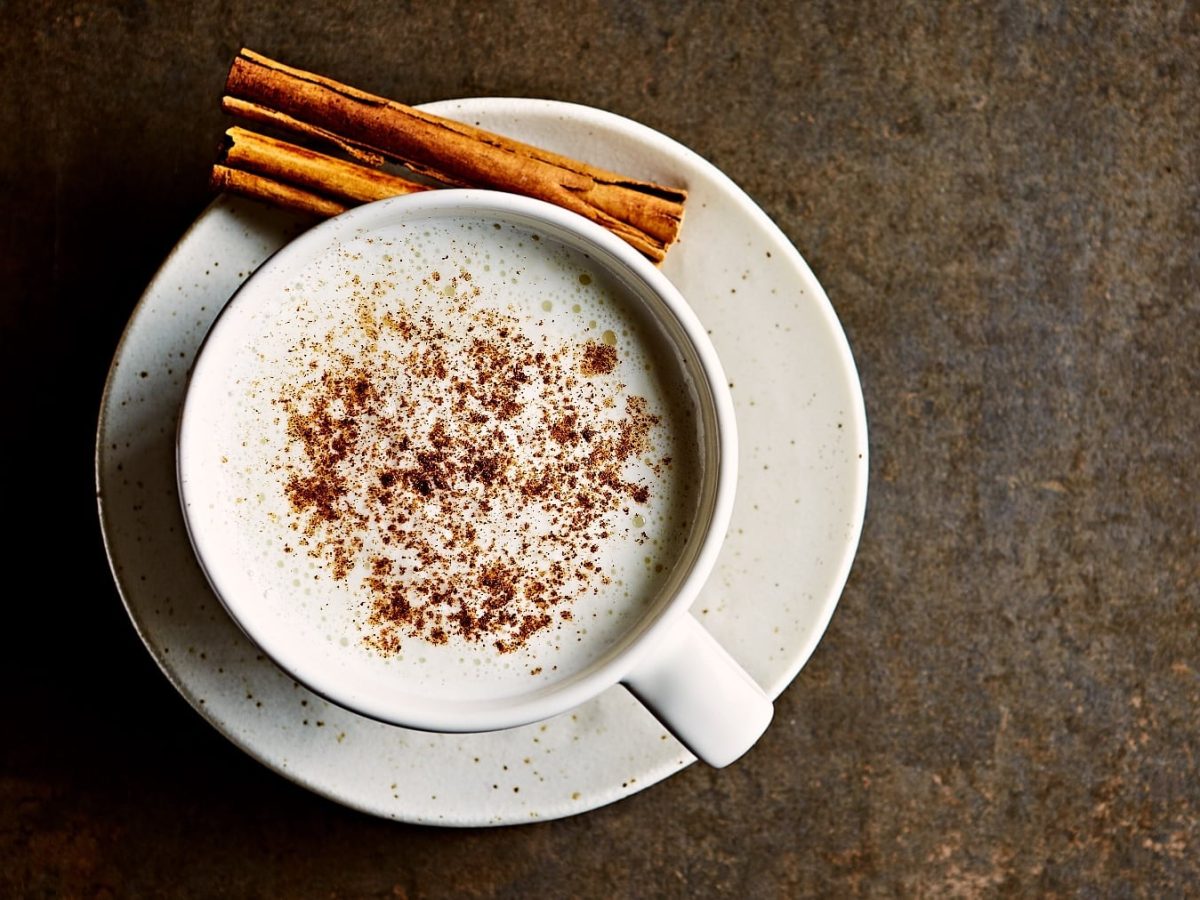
[457, 455]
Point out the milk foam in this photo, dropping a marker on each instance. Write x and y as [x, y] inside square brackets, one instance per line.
[425, 271]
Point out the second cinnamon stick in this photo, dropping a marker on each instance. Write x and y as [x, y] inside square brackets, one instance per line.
[293, 164]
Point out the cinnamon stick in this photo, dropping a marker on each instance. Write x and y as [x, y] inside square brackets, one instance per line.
[291, 164]
[260, 187]
[257, 113]
[644, 214]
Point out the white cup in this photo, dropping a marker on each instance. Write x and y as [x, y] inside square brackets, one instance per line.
[666, 659]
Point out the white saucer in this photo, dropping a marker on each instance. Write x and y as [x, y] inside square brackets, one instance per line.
[801, 497]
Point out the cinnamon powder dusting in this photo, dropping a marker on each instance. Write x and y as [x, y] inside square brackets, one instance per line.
[466, 477]
[598, 358]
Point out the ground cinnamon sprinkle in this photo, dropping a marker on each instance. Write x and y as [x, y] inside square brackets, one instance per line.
[598, 358]
[469, 478]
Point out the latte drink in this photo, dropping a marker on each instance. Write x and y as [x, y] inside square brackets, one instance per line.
[456, 455]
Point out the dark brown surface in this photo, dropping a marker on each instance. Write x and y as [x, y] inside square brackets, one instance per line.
[1004, 205]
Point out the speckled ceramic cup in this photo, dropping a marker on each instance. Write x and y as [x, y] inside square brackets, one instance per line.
[659, 652]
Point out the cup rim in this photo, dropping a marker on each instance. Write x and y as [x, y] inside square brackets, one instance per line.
[611, 252]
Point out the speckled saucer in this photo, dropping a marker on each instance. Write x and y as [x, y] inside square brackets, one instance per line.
[801, 497]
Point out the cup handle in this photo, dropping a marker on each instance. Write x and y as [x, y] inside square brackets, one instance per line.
[700, 693]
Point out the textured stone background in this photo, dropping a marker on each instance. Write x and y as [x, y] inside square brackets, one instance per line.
[1003, 202]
